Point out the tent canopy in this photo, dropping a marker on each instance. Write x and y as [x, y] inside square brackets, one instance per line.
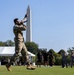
[9, 51]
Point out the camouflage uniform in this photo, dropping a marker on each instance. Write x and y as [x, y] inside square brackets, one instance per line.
[19, 46]
[19, 40]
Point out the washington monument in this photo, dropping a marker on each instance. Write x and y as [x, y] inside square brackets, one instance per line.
[29, 26]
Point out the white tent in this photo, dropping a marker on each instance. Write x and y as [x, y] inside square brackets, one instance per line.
[9, 51]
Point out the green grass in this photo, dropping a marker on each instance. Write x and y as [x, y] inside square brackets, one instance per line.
[21, 70]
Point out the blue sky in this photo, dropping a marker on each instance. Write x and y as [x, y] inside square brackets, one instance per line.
[52, 21]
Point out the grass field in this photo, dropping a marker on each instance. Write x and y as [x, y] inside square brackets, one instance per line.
[21, 70]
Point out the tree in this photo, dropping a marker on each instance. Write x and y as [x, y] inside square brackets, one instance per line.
[32, 47]
[58, 59]
[51, 50]
[70, 50]
[2, 43]
[42, 50]
[61, 51]
[9, 43]
[69, 53]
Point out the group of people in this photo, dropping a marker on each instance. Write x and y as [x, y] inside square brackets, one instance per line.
[65, 61]
[45, 59]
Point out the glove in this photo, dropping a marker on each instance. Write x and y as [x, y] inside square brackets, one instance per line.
[25, 15]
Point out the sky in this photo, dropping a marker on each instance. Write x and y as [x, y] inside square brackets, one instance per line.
[52, 21]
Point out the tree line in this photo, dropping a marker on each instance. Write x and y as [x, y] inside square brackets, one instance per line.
[34, 48]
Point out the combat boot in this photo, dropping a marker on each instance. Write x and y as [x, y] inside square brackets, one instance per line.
[8, 67]
[33, 67]
[30, 67]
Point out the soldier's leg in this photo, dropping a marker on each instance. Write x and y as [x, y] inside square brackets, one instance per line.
[25, 53]
[29, 66]
[66, 63]
[18, 51]
[18, 48]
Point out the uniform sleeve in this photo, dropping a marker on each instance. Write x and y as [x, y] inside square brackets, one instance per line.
[21, 27]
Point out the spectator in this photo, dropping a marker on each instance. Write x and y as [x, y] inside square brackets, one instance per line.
[39, 59]
[64, 60]
[72, 59]
[50, 59]
[45, 56]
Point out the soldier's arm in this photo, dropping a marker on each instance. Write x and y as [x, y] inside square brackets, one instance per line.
[25, 18]
[20, 27]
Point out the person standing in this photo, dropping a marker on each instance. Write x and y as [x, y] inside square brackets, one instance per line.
[72, 59]
[18, 29]
[64, 60]
[50, 59]
[39, 59]
[45, 57]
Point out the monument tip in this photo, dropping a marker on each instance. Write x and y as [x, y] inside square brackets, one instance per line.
[28, 7]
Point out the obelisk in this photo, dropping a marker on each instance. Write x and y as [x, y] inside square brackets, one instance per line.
[29, 26]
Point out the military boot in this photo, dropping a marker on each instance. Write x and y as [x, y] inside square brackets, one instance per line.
[31, 67]
[8, 67]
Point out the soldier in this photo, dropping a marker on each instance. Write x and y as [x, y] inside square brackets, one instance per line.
[19, 43]
[50, 59]
[72, 59]
[64, 60]
[39, 59]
